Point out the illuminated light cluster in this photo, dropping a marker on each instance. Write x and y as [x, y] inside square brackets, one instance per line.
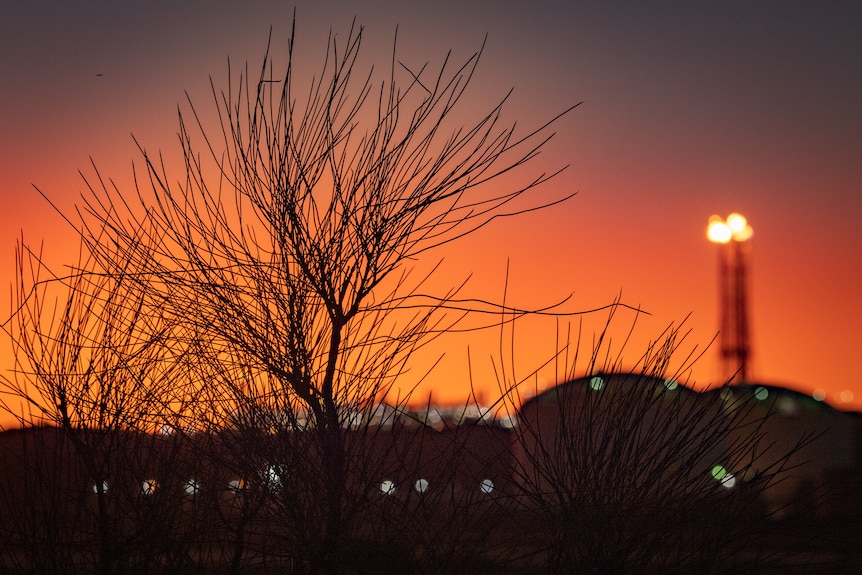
[819, 394]
[273, 475]
[597, 383]
[191, 487]
[421, 486]
[761, 393]
[670, 384]
[734, 228]
[723, 476]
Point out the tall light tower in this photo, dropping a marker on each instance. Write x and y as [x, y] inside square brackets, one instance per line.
[731, 236]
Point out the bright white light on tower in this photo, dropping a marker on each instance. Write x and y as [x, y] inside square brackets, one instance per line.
[718, 231]
[735, 228]
[739, 226]
[736, 222]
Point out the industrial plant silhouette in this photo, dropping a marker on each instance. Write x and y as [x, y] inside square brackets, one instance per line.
[613, 471]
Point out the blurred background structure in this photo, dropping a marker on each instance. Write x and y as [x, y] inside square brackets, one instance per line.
[732, 235]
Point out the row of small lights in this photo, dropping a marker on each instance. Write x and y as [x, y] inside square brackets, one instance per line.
[387, 486]
[149, 486]
[846, 396]
[597, 383]
[818, 394]
[486, 486]
[786, 404]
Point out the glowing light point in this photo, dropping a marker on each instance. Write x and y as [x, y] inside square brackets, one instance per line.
[722, 475]
[597, 383]
[819, 394]
[387, 486]
[739, 227]
[761, 393]
[273, 476]
[718, 231]
[670, 384]
[486, 486]
[735, 228]
[508, 421]
[191, 487]
[786, 406]
[421, 485]
[148, 487]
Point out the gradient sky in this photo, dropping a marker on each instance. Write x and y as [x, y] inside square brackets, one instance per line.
[688, 111]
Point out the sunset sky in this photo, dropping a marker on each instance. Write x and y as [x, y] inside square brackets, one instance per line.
[687, 111]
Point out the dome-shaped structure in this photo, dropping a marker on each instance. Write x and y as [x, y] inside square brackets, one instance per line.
[807, 440]
[641, 432]
[637, 464]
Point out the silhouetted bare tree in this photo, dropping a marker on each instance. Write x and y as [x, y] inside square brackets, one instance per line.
[91, 361]
[280, 261]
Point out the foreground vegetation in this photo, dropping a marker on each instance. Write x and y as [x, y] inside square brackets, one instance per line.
[457, 491]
